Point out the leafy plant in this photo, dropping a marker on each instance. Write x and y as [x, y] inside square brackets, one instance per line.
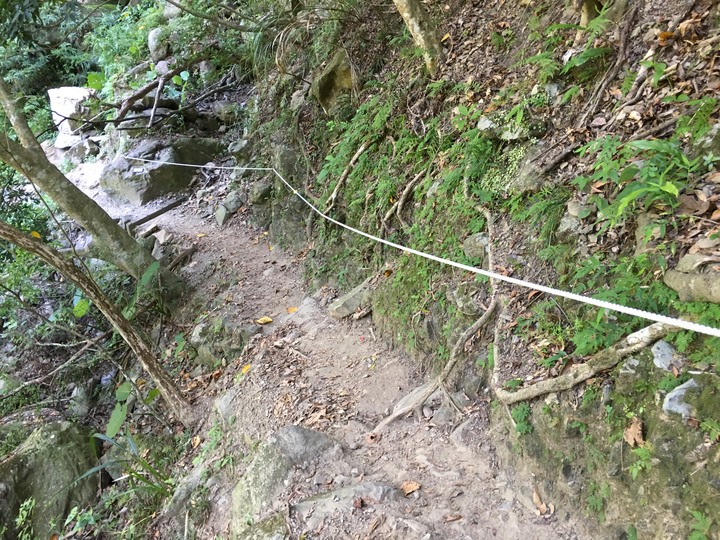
[23, 521]
[142, 474]
[643, 460]
[521, 416]
[700, 526]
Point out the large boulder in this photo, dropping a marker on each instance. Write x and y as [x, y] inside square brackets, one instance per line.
[139, 182]
[255, 496]
[69, 112]
[45, 468]
[335, 79]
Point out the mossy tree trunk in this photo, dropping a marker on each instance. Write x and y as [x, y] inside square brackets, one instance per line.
[27, 157]
[423, 33]
[177, 404]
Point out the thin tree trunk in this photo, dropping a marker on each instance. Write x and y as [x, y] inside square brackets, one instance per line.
[28, 158]
[177, 404]
[418, 22]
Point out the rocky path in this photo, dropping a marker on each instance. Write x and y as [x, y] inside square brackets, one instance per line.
[251, 474]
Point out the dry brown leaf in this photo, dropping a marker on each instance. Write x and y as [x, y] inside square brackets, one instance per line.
[409, 487]
[665, 37]
[292, 310]
[715, 215]
[453, 517]
[675, 371]
[692, 205]
[196, 440]
[714, 177]
[633, 433]
[264, 320]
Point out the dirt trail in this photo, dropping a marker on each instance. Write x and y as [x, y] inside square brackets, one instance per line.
[336, 377]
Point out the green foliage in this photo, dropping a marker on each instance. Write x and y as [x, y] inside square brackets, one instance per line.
[23, 521]
[119, 39]
[669, 382]
[596, 499]
[142, 474]
[643, 460]
[700, 526]
[712, 428]
[521, 416]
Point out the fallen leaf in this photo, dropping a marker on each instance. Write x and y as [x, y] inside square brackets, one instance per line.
[245, 369]
[633, 433]
[196, 440]
[715, 215]
[598, 121]
[616, 93]
[409, 487]
[452, 517]
[264, 320]
[445, 37]
[693, 205]
[714, 177]
[35, 234]
[200, 235]
[665, 37]
[292, 310]
[675, 371]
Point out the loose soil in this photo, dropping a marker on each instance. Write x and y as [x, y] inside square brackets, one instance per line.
[307, 369]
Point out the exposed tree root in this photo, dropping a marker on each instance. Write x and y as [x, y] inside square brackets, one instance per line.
[416, 404]
[602, 361]
[398, 205]
[330, 203]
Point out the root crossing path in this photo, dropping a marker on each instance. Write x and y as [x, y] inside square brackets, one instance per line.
[447, 469]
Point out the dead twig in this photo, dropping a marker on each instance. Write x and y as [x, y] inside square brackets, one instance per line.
[61, 367]
[594, 101]
[182, 256]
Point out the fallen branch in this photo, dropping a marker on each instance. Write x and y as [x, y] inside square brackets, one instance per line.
[330, 203]
[602, 361]
[182, 256]
[58, 369]
[130, 101]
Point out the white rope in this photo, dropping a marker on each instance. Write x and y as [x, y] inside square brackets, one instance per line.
[671, 321]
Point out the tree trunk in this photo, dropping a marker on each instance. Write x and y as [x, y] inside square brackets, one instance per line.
[418, 22]
[177, 404]
[28, 158]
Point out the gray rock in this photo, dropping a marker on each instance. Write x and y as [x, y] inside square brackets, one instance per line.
[223, 404]
[575, 209]
[171, 12]
[260, 192]
[476, 246]
[181, 499]
[675, 401]
[157, 44]
[665, 356]
[222, 214]
[139, 182]
[207, 70]
[254, 497]
[709, 143]
[233, 201]
[65, 140]
[69, 111]
[240, 149]
[8, 383]
[51, 458]
[79, 152]
[226, 111]
[162, 67]
[81, 399]
[316, 509]
[568, 228]
[487, 127]
[302, 445]
[348, 303]
[336, 79]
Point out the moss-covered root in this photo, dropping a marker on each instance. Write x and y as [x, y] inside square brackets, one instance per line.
[602, 361]
[417, 403]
